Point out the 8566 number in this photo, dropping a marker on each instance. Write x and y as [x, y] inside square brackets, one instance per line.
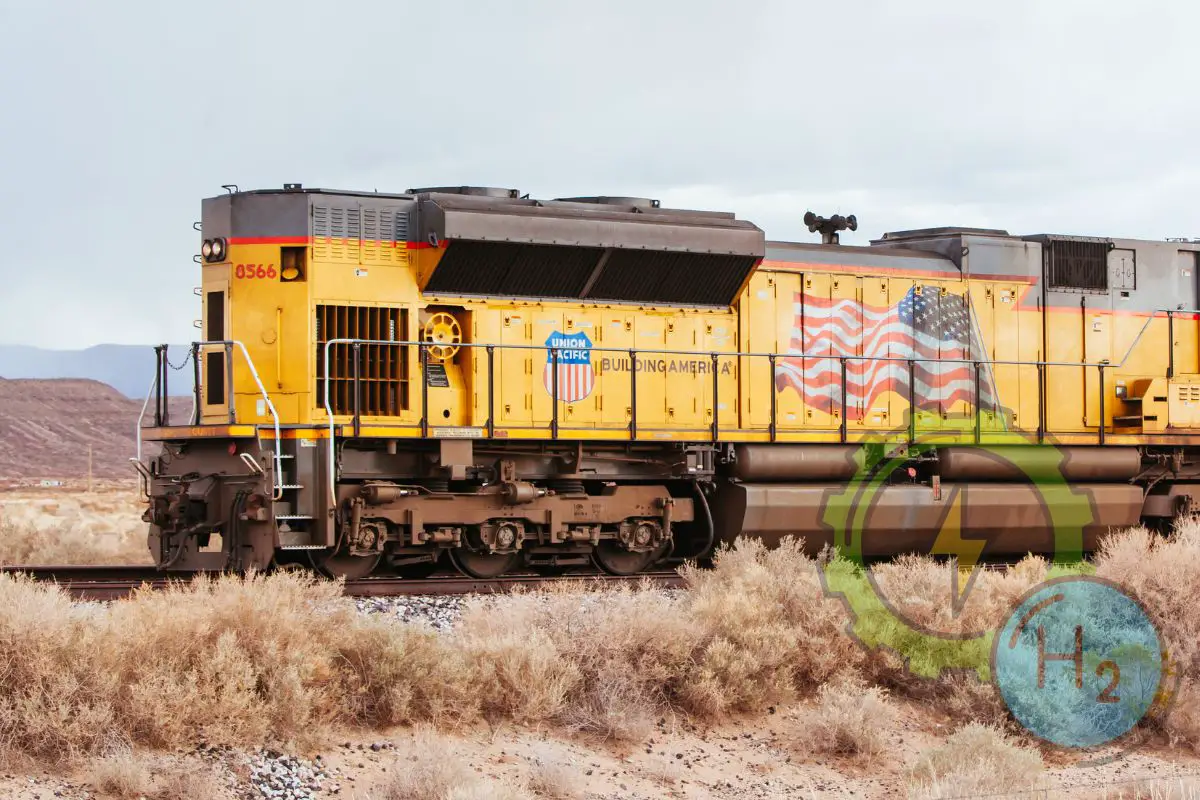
[263, 271]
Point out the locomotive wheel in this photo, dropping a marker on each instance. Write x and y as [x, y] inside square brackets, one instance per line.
[478, 564]
[343, 565]
[616, 560]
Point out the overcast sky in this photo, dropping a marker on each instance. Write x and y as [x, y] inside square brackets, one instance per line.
[1066, 117]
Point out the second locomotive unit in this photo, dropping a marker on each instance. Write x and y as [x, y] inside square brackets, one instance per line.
[387, 380]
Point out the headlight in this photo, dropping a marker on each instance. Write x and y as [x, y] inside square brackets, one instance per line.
[213, 249]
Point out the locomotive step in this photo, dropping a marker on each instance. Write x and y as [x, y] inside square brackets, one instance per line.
[1127, 422]
[292, 516]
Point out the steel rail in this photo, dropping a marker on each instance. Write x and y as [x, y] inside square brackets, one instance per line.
[115, 582]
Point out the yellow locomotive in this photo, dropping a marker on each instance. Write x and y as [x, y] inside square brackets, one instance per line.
[387, 379]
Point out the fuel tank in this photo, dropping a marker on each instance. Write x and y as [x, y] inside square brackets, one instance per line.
[793, 462]
[906, 518]
[1018, 463]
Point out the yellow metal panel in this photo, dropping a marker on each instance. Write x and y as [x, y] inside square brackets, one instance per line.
[1183, 401]
[614, 369]
[649, 334]
[515, 369]
[721, 336]
[1097, 347]
[486, 325]
[1006, 344]
[683, 333]
[791, 289]
[1029, 320]
[545, 321]
[766, 307]
[879, 409]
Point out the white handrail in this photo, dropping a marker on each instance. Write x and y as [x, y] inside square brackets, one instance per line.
[278, 487]
[137, 436]
[137, 430]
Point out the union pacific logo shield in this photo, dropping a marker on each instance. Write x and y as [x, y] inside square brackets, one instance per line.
[575, 374]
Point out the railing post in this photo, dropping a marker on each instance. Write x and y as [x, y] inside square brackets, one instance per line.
[774, 399]
[357, 389]
[633, 394]
[1170, 344]
[1100, 373]
[229, 382]
[716, 424]
[196, 383]
[158, 376]
[845, 404]
[423, 359]
[1041, 390]
[912, 401]
[491, 399]
[978, 403]
[164, 391]
[554, 392]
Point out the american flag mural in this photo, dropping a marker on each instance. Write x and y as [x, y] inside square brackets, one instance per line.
[925, 324]
[576, 378]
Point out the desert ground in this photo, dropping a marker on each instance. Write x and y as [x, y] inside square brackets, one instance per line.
[746, 685]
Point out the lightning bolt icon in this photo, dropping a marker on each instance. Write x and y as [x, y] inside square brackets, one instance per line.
[966, 552]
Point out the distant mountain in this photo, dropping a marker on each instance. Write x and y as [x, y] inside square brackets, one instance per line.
[127, 368]
[53, 428]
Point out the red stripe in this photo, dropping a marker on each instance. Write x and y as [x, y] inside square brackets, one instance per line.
[305, 240]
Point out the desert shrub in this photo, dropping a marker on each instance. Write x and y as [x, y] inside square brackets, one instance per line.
[1157, 571]
[126, 775]
[975, 760]
[552, 774]
[285, 657]
[848, 718]
[964, 698]
[434, 772]
[72, 528]
[769, 631]
[602, 662]
[121, 774]
[232, 660]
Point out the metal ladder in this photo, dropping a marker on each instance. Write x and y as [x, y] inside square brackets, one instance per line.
[294, 508]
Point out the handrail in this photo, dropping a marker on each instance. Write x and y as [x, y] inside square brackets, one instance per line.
[137, 429]
[1153, 316]
[771, 356]
[277, 489]
[767, 354]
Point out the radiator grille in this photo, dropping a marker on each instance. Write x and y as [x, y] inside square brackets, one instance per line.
[1077, 264]
[382, 368]
[510, 269]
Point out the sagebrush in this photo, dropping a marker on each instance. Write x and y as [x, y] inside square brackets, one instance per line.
[286, 658]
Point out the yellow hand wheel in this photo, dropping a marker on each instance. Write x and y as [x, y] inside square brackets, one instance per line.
[444, 335]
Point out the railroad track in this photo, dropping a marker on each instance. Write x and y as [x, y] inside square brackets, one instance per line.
[115, 582]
